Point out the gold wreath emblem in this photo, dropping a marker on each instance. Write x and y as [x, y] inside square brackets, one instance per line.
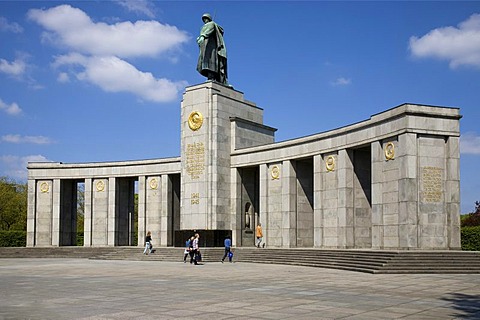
[44, 187]
[390, 151]
[100, 185]
[195, 120]
[330, 163]
[275, 172]
[153, 184]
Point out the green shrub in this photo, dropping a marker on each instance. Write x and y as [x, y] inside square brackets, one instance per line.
[13, 238]
[470, 238]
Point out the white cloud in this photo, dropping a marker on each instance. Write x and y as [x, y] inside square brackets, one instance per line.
[16, 167]
[10, 27]
[16, 138]
[341, 82]
[459, 45]
[470, 143]
[115, 75]
[138, 6]
[73, 28]
[15, 68]
[63, 77]
[12, 109]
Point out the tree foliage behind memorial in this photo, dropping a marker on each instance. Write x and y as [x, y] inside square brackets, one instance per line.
[13, 213]
[13, 205]
[471, 230]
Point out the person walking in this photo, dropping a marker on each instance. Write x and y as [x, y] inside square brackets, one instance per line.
[148, 241]
[195, 251]
[188, 248]
[228, 245]
[259, 235]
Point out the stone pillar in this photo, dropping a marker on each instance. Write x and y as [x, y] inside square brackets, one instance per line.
[165, 212]
[263, 209]
[111, 216]
[142, 221]
[377, 194]
[206, 131]
[317, 202]
[31, 213]
[407, 157]
[87, 217]
[273, 187]
[289, 200]
[345, 199]
[100, 205]
[390, 194]
[452, 190]
[56, 213]
[432, 206]
[330, 200]
[154, 188]
[44, 211]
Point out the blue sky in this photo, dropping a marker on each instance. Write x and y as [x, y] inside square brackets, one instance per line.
[94, 81]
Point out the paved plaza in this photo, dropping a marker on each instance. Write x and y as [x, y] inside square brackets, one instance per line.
[97, 289]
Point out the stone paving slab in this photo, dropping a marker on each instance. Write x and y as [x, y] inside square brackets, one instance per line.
[105, 289]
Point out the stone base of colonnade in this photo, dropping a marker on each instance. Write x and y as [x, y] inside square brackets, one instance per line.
[368, 261]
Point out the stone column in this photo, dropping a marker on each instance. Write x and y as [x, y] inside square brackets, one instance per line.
[432, 206]
[44, 212]
[206, 140]
[330, 200]
[165, 211]
[100, 206]
[154, 188]
[111, 217]
[31, 213]
[289, 200]
[263, 201]
[406, 155]
[317, 202]
[142, 221]
[87, 224]
[377, 194]
[345, 199]
[452, 193]
[56, 213]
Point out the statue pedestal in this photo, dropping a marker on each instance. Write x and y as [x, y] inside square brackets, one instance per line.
[215, 120]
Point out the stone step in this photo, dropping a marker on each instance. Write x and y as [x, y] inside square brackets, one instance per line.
[369, 261]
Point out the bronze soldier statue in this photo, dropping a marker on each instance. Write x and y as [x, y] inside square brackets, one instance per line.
[212, 60]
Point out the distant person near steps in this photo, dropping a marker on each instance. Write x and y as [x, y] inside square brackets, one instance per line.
[259, 235]
[228, 245]
[195, 251]
[148, 242]
[188, 248]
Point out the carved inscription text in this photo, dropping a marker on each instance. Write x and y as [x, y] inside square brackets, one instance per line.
[432, 178]
[195, 155]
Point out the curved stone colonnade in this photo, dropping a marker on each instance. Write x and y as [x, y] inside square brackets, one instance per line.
[389, 182]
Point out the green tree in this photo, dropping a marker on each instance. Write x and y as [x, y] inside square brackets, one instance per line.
[13, 205]
[472, 219]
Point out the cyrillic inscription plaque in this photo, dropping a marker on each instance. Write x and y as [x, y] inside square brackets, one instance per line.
[195, 155]
[432, 178]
